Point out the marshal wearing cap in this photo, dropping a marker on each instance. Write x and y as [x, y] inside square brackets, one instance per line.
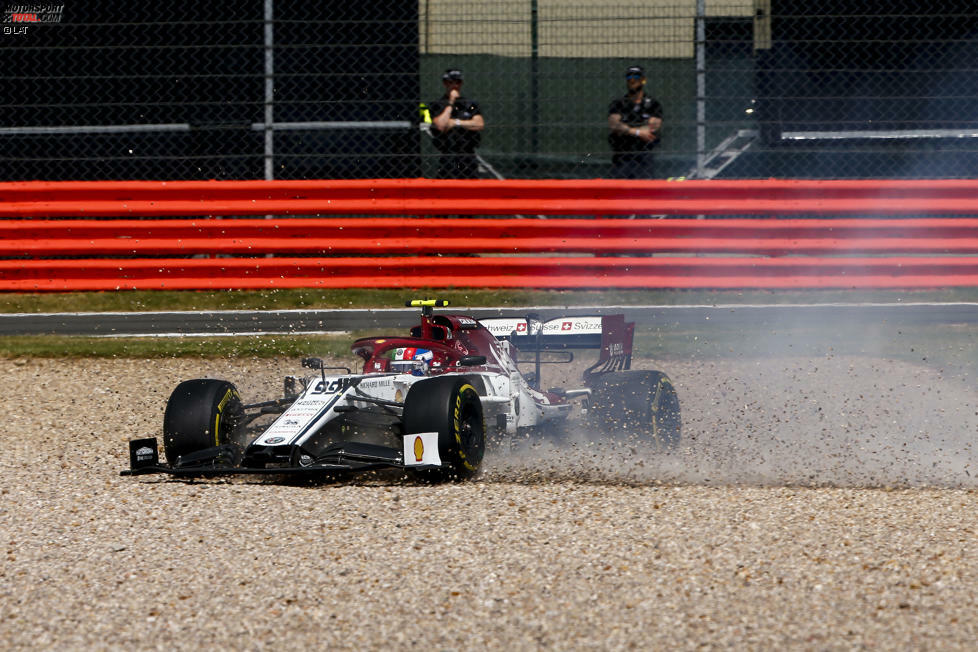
[456, 129]
[634, 121]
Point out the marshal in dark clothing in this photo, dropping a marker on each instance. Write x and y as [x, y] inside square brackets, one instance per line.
[634, 122]
[456, 127]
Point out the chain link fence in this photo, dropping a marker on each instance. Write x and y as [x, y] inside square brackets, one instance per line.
[287, 89]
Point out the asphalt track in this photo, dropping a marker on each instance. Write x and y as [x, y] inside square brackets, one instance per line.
[253, 322]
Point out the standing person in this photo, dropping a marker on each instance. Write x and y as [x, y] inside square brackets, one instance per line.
[456, 126]
[634, 122]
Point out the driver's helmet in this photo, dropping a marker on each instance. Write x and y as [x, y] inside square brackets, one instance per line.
[411, 360]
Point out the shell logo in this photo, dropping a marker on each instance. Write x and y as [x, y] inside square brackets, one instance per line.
[418, 449]
[399, 396]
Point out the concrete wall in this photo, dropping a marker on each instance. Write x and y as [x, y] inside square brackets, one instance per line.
[660, 29]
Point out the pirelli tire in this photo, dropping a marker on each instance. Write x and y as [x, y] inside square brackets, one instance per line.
[641, 404]
[200, 414]
[451, 406]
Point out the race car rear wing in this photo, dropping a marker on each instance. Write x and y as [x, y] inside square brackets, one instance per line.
[610, 334]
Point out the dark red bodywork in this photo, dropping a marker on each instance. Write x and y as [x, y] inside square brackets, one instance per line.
[448, 337]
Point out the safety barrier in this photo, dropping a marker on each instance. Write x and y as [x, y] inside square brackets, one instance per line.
[525, 273]
[74, 241]
[487, 197]
[405, 236]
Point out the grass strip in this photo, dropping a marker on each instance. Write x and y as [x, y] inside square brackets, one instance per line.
[265, 346]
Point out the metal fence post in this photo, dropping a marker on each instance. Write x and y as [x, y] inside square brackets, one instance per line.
[269, 90]
[534, 81]
[700, 86]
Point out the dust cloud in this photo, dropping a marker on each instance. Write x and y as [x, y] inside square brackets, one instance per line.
[790, 404]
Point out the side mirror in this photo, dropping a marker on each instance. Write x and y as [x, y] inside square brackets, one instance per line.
[472, 361]
[317, 363]
[312, 363]
[291, 388]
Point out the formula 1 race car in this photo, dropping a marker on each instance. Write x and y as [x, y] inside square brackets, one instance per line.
[427, 402]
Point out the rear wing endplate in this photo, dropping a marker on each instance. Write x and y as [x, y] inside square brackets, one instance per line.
[610, 334]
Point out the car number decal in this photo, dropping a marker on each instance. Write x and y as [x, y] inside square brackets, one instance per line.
[335, 385]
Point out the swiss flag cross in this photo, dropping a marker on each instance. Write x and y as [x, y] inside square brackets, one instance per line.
[521, 326]
[566, 326]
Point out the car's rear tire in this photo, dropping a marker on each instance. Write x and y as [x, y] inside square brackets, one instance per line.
[451, 406]
[639, 403]
[200, 414]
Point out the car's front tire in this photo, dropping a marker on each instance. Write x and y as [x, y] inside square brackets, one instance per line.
[200, 414]
[451, 406]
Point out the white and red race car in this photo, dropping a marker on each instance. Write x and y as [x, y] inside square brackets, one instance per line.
[426, 402]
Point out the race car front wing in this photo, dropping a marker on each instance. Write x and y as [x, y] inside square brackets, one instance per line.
[337, 458]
